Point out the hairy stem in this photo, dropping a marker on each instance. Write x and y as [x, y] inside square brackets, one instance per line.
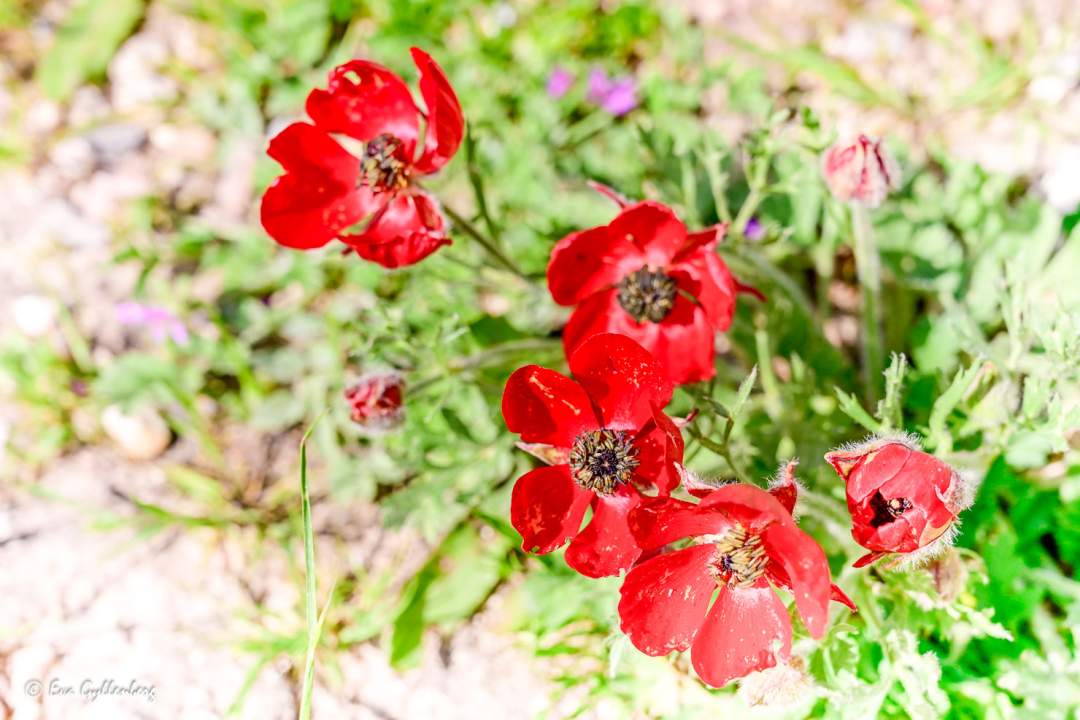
[868, 269]
[492, 249]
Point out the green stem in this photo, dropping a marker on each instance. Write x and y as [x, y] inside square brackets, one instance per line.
[723, 449]
[476, 179]
[756, 180]
[868, 269]
[483, 357]
[469, 229]
[309, 589]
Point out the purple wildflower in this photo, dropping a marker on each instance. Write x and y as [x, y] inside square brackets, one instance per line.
[559, 82]
[618, 96]
[158, 320]
[754, 229]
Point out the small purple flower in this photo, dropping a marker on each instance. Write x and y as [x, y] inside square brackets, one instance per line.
[559, 82]
[618, 96]
[599, 86]
[158, 320]
[622, 98]
[754, 229]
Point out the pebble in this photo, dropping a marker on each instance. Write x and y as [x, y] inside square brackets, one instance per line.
[140, 434]
[111, 142]
[34, 315]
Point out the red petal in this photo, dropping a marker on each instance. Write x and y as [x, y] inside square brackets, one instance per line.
[622, 378]
[806, 569]
[544, 406]
[409, 228]
[663, 600]
[316, 198]
[587, 261]
[606, 547]
[750, 506]
[363, 100]
[835, 593]
[745, 631]
[701, 240]
[868, 558]
[301, 211]
[705, 276]
[661, 520]
[652, 227]
[660, 446]
[303, 148]
[445, 123]
[682, 343]
[546, 507]
[786, 489]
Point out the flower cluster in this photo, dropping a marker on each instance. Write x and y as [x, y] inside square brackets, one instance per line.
[702, 564]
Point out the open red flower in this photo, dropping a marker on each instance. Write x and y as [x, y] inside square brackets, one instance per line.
[326, 190]
[606, 436]
[645, 277]
[746, 540]
[901, 500]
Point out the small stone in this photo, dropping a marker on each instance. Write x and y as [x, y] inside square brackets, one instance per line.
[34, 315]
[140, 434]
[110, 142]
[73, 157]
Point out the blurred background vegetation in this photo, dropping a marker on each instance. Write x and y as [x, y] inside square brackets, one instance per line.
[151, 324]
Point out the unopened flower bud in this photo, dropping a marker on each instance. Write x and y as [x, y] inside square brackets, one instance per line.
[861, 171]
[901, 500]
[375, 401]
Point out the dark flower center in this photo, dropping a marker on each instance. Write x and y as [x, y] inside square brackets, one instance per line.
[740, 557]
[602, 459]
[383, 166]
[647, 294]
[885, 511]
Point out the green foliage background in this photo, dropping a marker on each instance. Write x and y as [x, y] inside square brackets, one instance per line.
[981, 308]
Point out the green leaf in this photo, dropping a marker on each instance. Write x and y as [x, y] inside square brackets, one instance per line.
[85, 44]
[939, 436]
[744, 393]
[409, 624]
[851, 407]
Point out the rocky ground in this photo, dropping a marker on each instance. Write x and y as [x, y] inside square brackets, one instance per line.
[168, 612]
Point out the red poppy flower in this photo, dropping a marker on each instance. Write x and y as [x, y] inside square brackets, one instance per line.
[606, 436]
[645, 277]
[747, 541]
[326, 190]
[375, 401]
[901, 499]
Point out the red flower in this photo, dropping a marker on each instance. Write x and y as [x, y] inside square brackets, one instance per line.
[326, 190]
[376, 400]
[861, 171]
[643, 276]
[605, 434]
[747, 540]
[900, 499]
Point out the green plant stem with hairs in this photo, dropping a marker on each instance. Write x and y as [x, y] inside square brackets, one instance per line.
[485, 242]
[868, 269]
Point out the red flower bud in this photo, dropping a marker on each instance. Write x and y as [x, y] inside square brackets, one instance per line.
[375, 401]
[860, 172]
[901, 500]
